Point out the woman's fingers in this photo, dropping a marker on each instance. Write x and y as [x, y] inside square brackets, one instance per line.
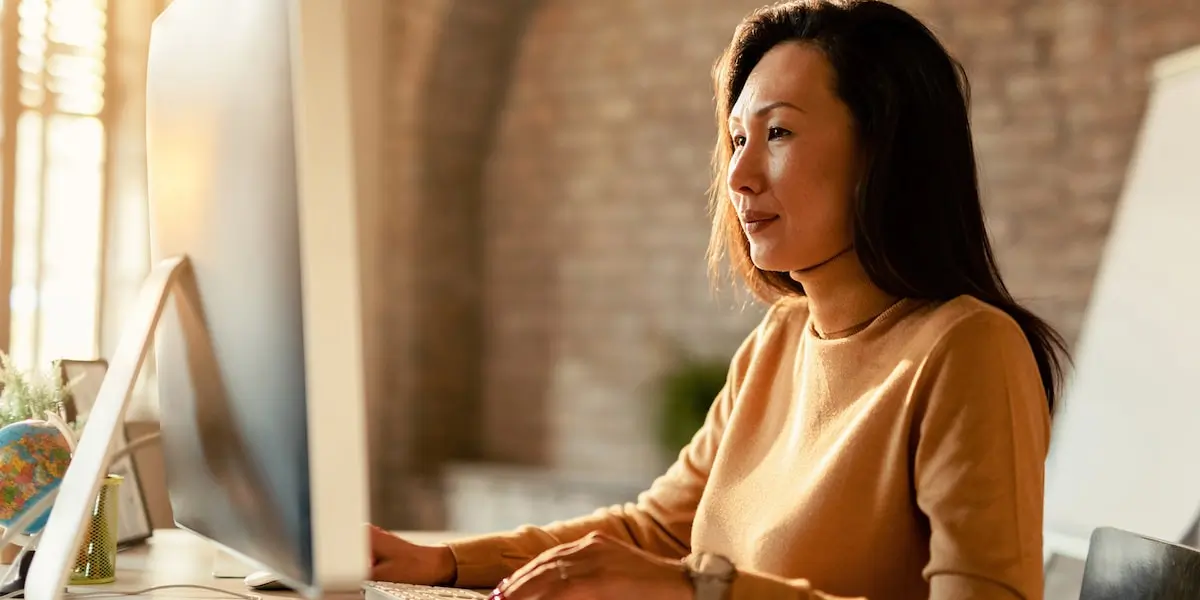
[552, 572]
[379, 543]
[549, 555]
[596, 567]
[528, 569]
[542, 582]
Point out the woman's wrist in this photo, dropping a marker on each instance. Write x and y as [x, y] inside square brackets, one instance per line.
[447, 566]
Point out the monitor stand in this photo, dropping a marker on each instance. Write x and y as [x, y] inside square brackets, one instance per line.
[228, 566]
[76, 495]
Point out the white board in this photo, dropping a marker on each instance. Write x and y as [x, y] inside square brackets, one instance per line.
[1127, 442]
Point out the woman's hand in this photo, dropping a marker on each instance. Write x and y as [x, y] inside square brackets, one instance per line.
[597, 567]
[399, 561]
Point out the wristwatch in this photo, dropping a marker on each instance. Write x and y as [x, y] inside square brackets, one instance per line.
[711, 575]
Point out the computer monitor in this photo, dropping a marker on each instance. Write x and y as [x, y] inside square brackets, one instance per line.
[252, 178]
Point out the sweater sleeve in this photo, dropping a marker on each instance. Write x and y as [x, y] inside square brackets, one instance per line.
[979, 463]
[982, 431]
[660, 521]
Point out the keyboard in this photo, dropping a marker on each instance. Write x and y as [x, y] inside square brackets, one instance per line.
[401, 591]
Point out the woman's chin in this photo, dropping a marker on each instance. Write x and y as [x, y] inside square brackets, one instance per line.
[765, 261]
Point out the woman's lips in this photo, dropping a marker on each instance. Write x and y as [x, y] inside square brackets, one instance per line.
[754, 221]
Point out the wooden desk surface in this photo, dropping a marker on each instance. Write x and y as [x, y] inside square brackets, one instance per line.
[174, 557]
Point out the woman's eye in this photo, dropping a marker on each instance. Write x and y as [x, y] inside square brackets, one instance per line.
[773, 133]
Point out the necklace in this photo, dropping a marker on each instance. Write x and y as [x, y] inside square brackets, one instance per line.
[857, 327]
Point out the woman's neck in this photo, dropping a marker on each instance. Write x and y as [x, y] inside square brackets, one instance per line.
[841, 296]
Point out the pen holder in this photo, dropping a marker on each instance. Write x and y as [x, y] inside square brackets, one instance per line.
[96, 562]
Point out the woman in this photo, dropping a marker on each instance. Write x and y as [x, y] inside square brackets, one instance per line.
[882, 433]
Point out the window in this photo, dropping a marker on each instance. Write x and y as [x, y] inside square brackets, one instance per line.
[73, 178]
[58, 212]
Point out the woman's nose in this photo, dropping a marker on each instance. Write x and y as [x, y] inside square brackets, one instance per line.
[745, 172]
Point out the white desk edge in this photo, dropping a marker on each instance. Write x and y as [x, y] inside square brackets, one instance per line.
[178, 557]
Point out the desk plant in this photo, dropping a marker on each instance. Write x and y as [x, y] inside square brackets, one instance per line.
[688, 391]
[36, 444]
[29, 395]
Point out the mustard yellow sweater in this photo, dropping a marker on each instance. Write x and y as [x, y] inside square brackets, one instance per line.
[905, 461]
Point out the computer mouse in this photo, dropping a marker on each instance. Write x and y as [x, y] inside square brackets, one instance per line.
[264, 580]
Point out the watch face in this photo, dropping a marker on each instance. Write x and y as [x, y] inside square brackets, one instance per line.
[711, 565]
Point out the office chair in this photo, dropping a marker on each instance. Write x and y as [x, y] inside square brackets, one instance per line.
[1122, 565]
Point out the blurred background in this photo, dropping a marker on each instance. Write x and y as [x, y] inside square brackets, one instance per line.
[541, 330]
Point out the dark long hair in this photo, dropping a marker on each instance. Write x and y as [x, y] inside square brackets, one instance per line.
[918, 222]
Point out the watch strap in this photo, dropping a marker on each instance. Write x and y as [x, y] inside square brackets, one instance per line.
[711, 575]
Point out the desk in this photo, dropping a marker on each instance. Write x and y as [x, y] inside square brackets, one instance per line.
[175, 557]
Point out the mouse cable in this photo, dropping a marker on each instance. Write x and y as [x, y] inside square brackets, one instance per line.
[20, 593]
[162, 587]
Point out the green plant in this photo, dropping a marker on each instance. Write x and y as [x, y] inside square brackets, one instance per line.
[29, 394]
[688, 391]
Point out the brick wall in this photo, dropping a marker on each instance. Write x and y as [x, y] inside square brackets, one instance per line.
[543, 228]
[1060, 88]
[596, 230]
[445, 72]
[409, 37]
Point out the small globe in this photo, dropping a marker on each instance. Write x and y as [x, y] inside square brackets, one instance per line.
[34, 456]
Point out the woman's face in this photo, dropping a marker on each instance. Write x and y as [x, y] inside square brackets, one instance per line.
[794, 165]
